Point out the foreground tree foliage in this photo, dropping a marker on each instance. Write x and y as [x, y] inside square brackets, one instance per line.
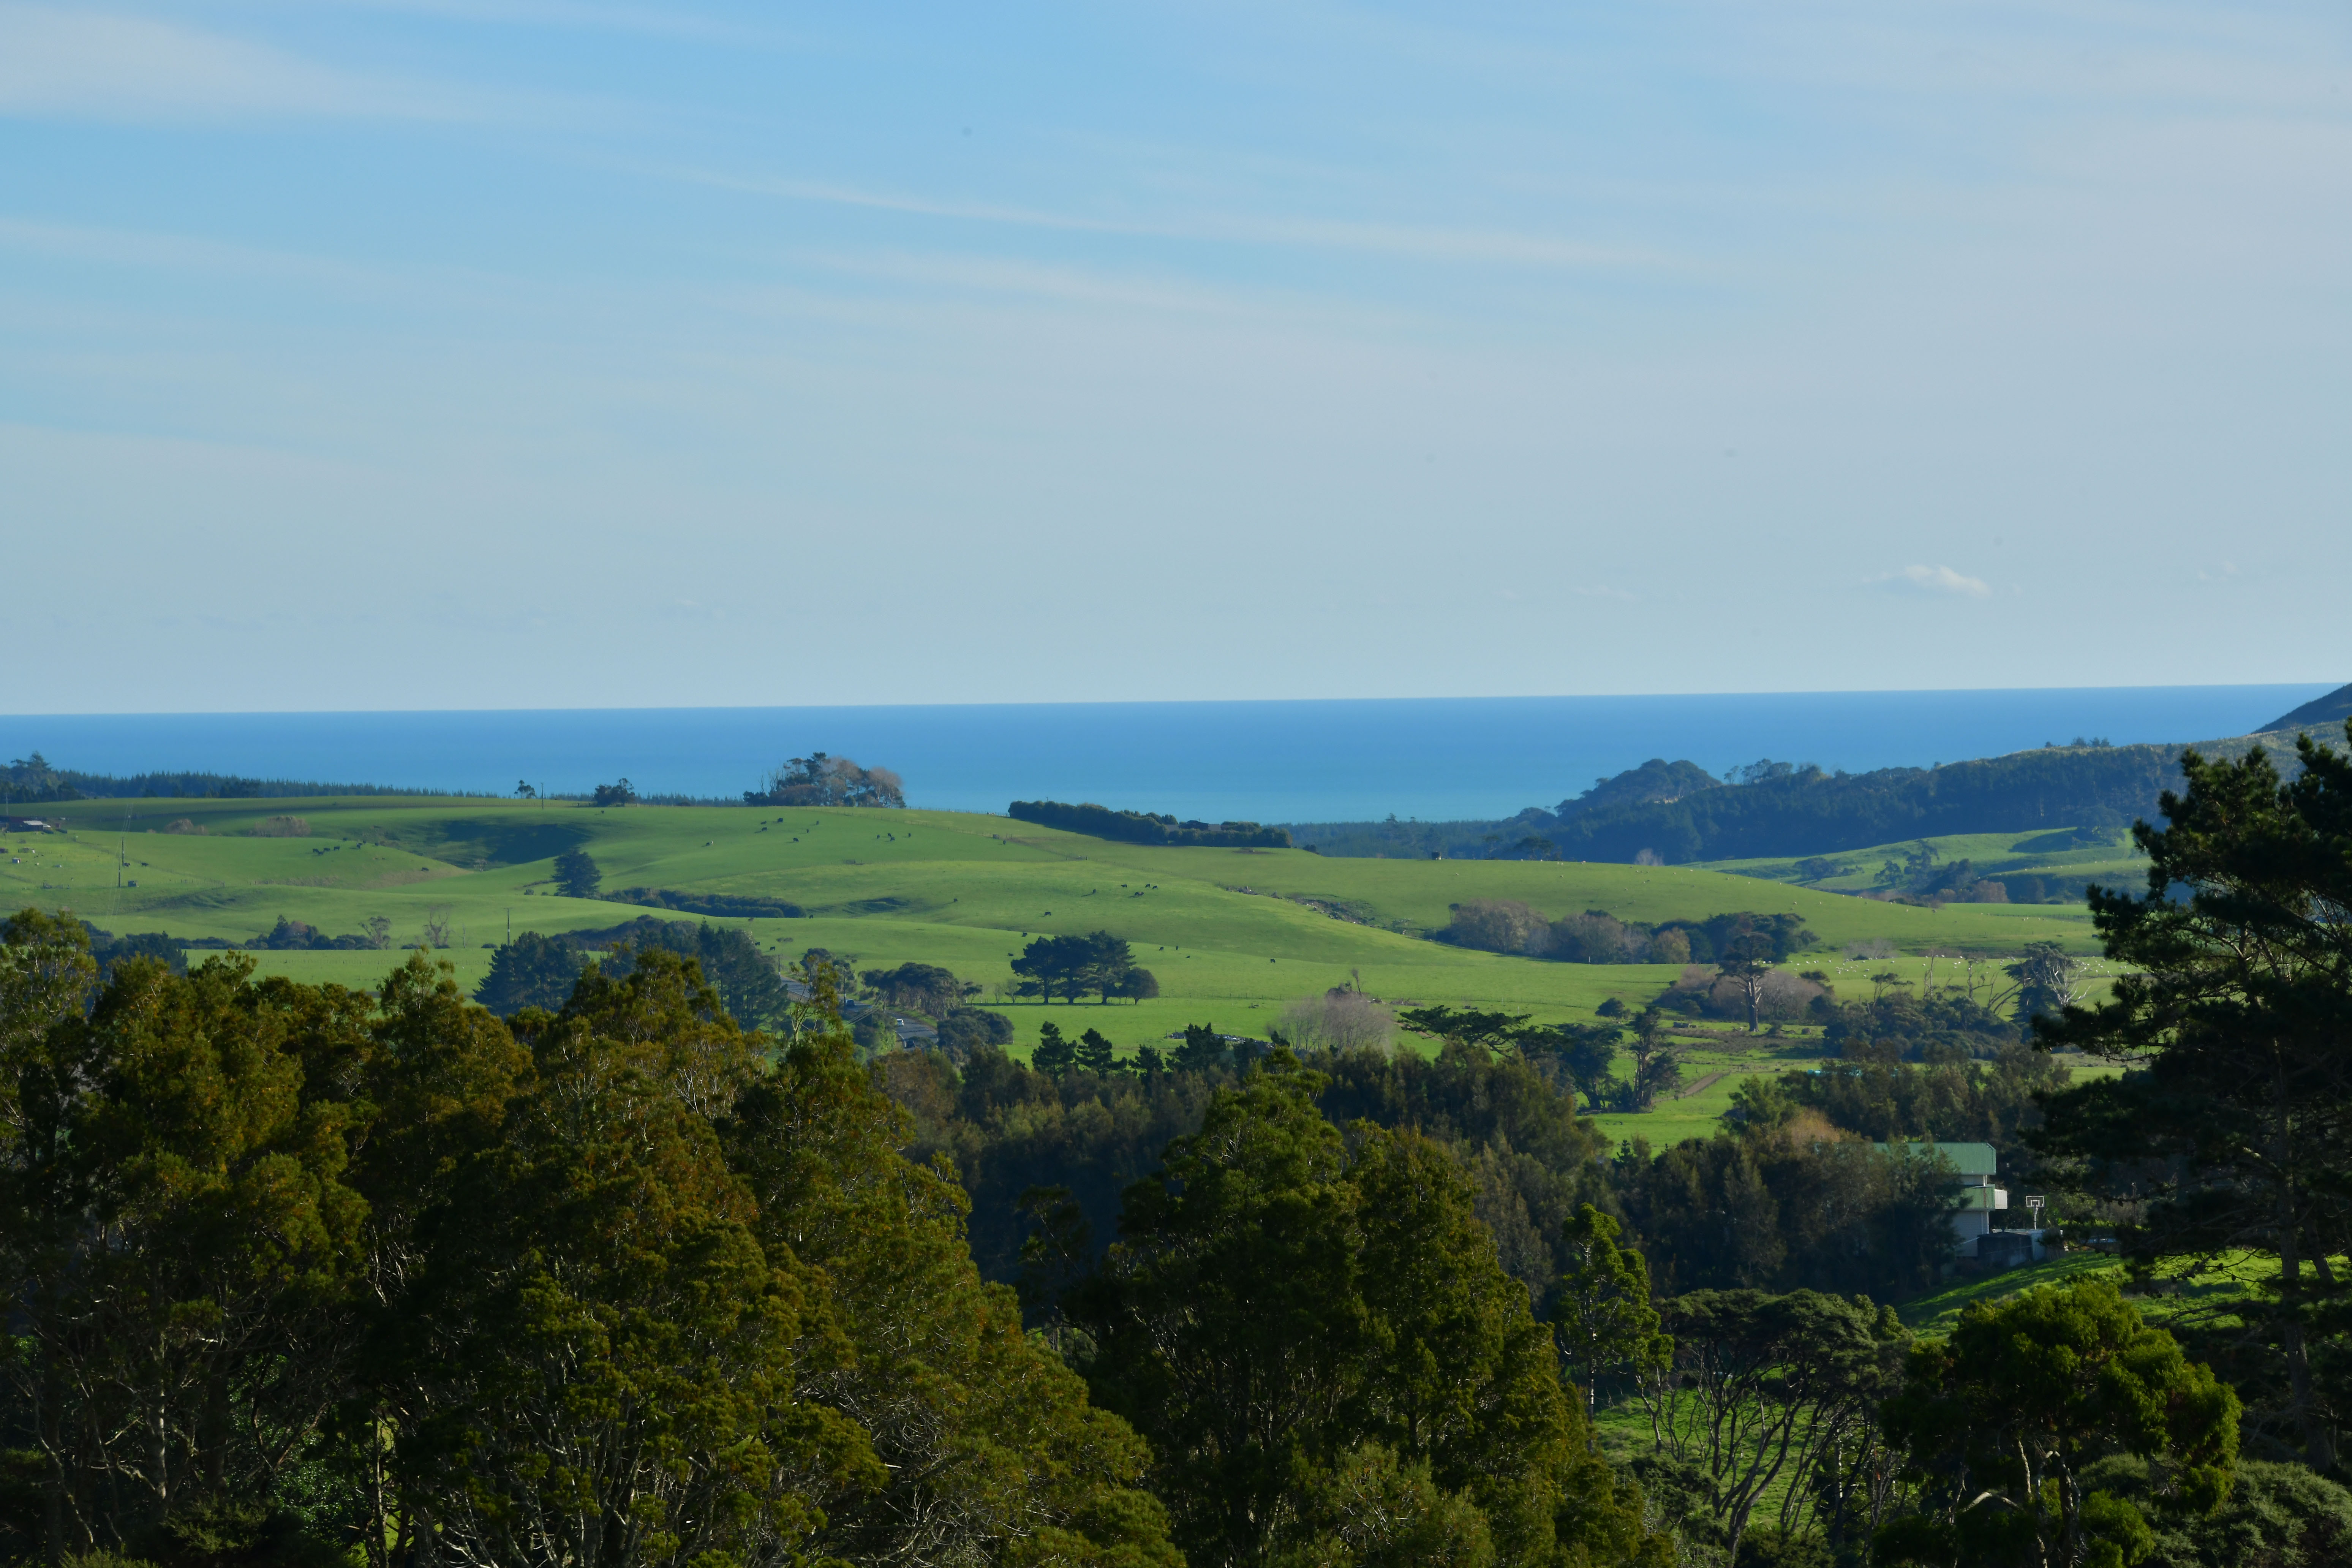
[2235, 1131]
[2005, 1419]
[1315, 1335]
[1760, 1395]
[295, 1273]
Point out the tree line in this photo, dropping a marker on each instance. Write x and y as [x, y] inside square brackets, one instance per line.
[1596, 936]
[34, 780]
[1073, 966]
[1146, 827]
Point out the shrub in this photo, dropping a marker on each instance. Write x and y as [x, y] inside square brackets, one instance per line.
[281, 827]
[1341, 1019]
[1497, 925]
[1596, 936]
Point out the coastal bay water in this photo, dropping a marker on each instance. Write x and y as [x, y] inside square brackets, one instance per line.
[1437, 759]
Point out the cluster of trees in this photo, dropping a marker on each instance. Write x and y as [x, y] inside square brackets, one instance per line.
[1315, 1337]
[1596, 936]
[1816, 1205]
[1982, 1003]
[1311, 1327]
[295, 1275]
[1746, 988]
[2055, 1426]
[620, 794]
[533, 970]
[1146, 827]
[1097, 963]
[926, 988]
[161, 947]
[1922, 876]
[758, 990]
[287, 935]
[822, 780]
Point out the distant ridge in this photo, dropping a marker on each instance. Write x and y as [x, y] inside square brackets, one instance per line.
[2320, 712]
[1770, 810]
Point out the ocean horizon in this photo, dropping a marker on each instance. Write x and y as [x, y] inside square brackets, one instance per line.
[1436, 759]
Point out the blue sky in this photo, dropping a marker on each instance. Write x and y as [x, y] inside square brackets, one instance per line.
[548, 354]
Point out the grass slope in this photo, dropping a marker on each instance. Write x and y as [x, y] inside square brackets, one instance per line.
[1232, 935]
[2059, 855]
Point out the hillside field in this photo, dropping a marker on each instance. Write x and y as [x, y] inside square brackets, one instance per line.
[1232, 935]
[2109, 857]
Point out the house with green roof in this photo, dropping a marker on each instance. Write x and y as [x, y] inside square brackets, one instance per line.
[1980, 1197]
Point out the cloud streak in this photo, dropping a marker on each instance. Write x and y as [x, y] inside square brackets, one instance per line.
[1492, 246]
[82, 65]
[1933, 582]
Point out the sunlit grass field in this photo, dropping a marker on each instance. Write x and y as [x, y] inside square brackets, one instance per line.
[2109, 858]
[1231, 935]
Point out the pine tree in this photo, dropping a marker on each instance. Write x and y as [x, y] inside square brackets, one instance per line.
[1054, 1055]
[1295, 1322]
[2233, 1003]
[1096, 1053]
[1602, 1313]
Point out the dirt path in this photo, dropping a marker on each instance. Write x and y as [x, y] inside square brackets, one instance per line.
[1704, 1084]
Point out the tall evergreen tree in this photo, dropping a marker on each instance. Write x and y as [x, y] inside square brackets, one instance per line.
[1602, 1313]
[1096, 1053]
[1284, 1321]
[532, 971]
[2235, 1005]
[991, 1449]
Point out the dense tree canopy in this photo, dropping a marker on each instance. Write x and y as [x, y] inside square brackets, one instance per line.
[821, 780]
[1071, 966]
[2003, 1419]
[296, 1272]
[2235, 1129]
[1289, 1320]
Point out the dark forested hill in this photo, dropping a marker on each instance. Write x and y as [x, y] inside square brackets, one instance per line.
[1807, 812]
[2320, 714]
[1777, 809]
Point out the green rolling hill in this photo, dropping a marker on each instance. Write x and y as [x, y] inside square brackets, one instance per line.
[1232, 935]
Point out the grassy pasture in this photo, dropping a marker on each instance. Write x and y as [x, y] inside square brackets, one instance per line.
[2112, 860]
[1232, 935]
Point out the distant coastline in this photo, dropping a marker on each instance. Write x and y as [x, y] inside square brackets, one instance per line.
[1435, 759]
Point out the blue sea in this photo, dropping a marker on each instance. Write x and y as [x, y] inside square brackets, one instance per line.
[1437, 759]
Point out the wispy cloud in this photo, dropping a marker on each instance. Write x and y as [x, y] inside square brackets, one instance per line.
[672, 20]
[82, 64]
[1936, 581]
[1497, 247]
